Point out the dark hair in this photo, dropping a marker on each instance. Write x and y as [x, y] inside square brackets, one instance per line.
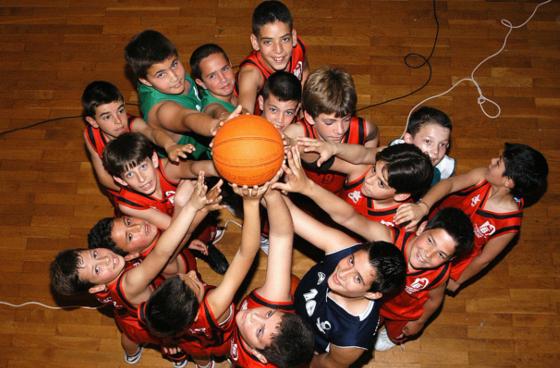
[126, 152]
[99, 236]
[409, 170]
[389, 264]
[203, 52]
[171, 308]
[270, 12]
[427, 115]
[329, 90]
[282, 85]
[293, 345]
[99, 93]
[64, 273]
[528, 169]
[147, 48]
[458, 225]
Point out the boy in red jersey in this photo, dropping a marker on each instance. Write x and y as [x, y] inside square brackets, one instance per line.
[102, 272]
[280, 99]
[493, 197]
[148, 185]
[199, 316]
[106, 116]
[329, 104]
[427, 253]
[275, 47]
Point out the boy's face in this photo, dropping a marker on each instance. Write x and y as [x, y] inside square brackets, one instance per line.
[353, 276]
[99, 266]
[279, 113]
[217, 75]
[496, 170]
[431, 249]
[329, 127]
[432, 139]
[111, 118]
[258, 326]
[132, 234]
[275, 42]
[166, 77]
[376, 183]
[142, 178]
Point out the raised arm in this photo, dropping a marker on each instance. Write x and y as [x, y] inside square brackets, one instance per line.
[160, 138]
[340, 211]
[250, 81]
[104, 178]
[414, 212]
[171, 116]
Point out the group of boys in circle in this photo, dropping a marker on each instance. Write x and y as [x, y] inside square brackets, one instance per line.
[378, 284]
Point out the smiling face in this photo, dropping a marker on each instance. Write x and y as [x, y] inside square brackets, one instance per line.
[217, 75]
[496, 170]
[432, 139]
[132, 234]
[275, 42]
[329, 127]
[167, 76]
[431, 249]
[258, 326]
[111, 118]
[99, 266]
[353, 276]
[376, 183]
[141, 178]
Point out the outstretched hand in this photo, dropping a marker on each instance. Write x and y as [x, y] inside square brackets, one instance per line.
[410, 213]
[325, 149]
[183, 192]
[175, 152]
[256, 192]
[199, 198]
[295, 178]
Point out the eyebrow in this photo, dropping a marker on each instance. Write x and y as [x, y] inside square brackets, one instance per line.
[436, 245]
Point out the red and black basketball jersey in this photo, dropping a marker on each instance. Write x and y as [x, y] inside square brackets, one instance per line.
[331, 180]
[295, 66]
[96, 139]
[352, 194]
[206, 337]
[138, 201]
[486, 224]
[409, 304]
[239, 353]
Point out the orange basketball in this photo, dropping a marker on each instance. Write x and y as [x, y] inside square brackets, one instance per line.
[248, 150]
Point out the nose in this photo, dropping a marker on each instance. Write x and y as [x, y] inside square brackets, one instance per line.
[141, 177]
[277, 48]
[340, 128]
[174, 77]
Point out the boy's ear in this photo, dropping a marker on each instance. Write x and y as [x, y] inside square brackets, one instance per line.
[408, 138]
[120, 181]
[259, 356]
[155, 159]
[260, 100]
[255, 42]
[97, 289]
[145, 82]
[308, 118]
[294, 38]
[509, 183]
[373, 295]
[401, 197]
[421, 228]
[200, 83]
[91, 121]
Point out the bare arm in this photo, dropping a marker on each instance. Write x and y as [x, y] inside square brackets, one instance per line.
[104, 178]
[250, 81]
[337, 357]
[158, 218]
[414, 212]
[171, 116]
[162, 139]
[490, 251]
[189, 169]
[217, 111]
[340, 211]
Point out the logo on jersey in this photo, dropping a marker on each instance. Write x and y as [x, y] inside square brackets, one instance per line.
[387, 223]
[298, 70]
[485, 230]
[244, 305]
[170, 195]
[355, 196]
[310, 304]
[419, 284]
[475, 200]
[197, 331]
[323, 326]
[233, 351]
[320, 278]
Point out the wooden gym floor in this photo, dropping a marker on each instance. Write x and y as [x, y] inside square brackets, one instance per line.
[48, 197]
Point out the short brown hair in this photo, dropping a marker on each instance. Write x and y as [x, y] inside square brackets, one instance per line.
[329, 90]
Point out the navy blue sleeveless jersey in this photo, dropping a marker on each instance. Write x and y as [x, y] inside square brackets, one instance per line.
[331, 323]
